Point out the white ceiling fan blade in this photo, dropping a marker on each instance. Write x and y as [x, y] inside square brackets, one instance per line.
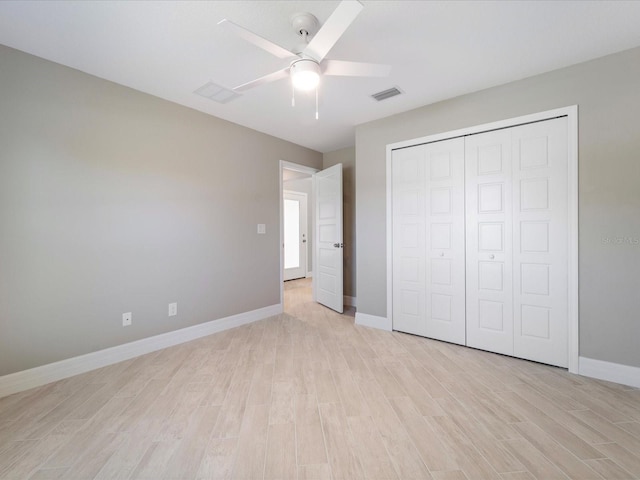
[272, 77]
[333, 29]
[256, 39]
[355, 69]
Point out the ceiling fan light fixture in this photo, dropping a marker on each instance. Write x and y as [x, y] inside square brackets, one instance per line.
[305, 74]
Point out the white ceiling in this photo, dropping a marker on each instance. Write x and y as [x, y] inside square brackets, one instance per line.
[437, 49]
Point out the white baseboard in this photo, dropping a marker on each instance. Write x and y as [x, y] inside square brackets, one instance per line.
[612, 372]
[373, 321]
[349, 301]
[309, 275]
[35, 377]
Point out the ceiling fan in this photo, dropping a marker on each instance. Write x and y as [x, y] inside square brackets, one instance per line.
[307, 60]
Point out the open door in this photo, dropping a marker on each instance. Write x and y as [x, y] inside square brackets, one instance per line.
[328, 276]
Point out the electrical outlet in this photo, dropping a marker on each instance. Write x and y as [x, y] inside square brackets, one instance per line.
[173, 309]
[126, 319]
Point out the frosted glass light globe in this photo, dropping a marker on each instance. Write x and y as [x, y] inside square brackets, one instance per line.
[305, 74]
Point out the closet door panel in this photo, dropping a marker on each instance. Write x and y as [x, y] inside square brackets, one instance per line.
[489, 280]
[409, 245]
[445, 241]
[428, 240]
[540, 241]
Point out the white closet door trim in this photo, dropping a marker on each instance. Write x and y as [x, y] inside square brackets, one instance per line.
[571, 113]
[573, 269]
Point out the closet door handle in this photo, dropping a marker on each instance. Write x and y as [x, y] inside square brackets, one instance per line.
[492, 256]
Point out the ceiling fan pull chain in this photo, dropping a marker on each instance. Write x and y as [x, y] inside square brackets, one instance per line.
[316, 102]
[293, 95]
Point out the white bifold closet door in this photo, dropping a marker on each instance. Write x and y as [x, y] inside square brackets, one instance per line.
[480, 240]
[517, 245]
[489, 231]
[428, 246]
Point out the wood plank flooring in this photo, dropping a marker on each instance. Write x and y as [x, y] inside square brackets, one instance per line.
[308, 395]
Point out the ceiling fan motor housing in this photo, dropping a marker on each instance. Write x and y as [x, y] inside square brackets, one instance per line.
[305, 23]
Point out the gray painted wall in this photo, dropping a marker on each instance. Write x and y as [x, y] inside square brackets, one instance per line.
[347, 156]
[606, 91]
[305, 185]
[114, 201]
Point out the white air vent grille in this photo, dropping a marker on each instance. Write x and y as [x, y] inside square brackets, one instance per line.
[216, 93]
[383, 95]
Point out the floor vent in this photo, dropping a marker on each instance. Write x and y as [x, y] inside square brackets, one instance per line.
[383, 95]
[216, 93]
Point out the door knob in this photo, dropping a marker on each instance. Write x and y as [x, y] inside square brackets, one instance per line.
[338, 245]
[492, 256]
[442, 254]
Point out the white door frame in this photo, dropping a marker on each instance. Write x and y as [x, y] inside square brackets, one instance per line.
[571, 113]
[284, 165]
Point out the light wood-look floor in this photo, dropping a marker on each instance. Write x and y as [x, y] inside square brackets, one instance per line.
[308, 395]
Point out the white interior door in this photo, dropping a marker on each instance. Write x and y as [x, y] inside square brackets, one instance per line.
[295, 235]
[428, 246]
[489, 233]
[328, 268]
[540, 241]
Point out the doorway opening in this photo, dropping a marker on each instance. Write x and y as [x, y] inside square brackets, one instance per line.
[296, 234]
[324, 238]
[296, 180]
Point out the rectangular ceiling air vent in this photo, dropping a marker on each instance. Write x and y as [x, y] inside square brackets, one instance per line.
[216, 93]
[383, 95]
